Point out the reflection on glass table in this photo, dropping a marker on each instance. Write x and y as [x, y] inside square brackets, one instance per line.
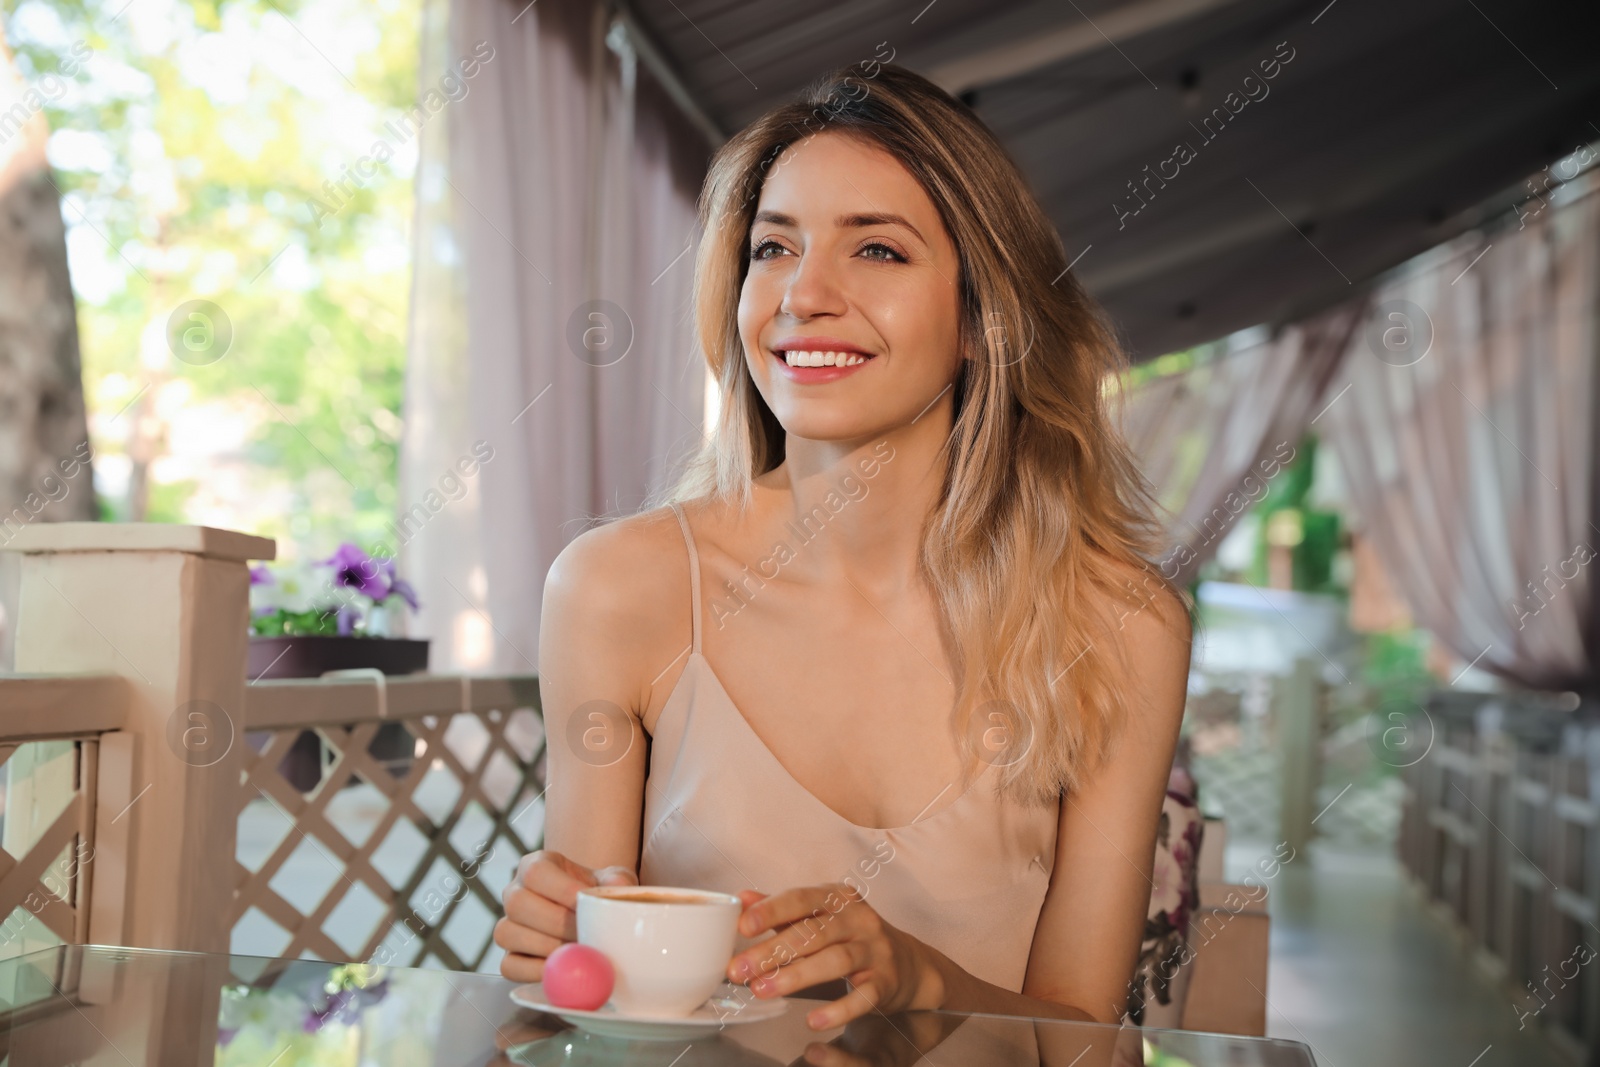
[131, 1007]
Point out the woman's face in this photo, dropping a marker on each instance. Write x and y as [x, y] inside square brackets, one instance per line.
[848, 256]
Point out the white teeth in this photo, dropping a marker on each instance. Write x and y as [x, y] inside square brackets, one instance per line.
[823, 359]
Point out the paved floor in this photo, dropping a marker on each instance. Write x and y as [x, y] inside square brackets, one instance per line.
[1364, 974]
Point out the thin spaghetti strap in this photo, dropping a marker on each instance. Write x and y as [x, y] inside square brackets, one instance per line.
[694, 572]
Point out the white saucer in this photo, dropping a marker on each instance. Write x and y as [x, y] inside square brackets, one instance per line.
[731, 1005]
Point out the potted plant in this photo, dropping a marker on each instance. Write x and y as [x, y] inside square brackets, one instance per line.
[333, 614]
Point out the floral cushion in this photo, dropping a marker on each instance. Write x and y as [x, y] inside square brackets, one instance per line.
[1161, 977]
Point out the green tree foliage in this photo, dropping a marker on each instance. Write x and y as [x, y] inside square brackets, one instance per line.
[1313, 533]
[1397, 663]
[190, 145]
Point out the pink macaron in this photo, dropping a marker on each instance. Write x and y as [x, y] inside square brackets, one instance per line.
[577, 976]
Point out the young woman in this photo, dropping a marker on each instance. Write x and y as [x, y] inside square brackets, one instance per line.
[893, 664]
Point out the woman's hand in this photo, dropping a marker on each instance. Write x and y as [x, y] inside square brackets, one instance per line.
[828, 932]
[541, 909]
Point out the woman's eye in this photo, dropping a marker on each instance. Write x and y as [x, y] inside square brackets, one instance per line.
[758, 252]
[883, 252]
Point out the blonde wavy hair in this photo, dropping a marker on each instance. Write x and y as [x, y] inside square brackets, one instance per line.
[1042, 505]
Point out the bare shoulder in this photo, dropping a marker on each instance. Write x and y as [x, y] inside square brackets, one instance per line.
[623, 563]
[626, 583]
[1149, 619]
[1145, 605]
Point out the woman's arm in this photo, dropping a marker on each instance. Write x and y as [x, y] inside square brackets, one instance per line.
[590, 639]
[595, 634]
[1086, 944]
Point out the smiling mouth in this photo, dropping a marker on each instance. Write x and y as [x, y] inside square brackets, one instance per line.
[799, 358]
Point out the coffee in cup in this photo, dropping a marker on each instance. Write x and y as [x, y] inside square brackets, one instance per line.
[669, 947]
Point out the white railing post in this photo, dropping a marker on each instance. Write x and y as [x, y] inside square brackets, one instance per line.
[166, 607]
[1299, 740]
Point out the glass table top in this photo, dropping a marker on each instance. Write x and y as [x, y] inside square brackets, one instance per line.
[131, 1007]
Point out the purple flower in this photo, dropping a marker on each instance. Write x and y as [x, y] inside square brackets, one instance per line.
[344, 1006]
[402, 589]
[259, 575]
[372, 994]
[347, 619]
[397, 586]
[354, 569]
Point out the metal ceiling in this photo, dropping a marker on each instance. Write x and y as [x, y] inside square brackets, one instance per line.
[1388, 128]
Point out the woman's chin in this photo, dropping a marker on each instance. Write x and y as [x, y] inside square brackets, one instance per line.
[832, 433]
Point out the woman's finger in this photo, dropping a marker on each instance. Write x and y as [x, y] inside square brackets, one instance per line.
[539, 912]
[524, 941]
[615, 876]
[812, 933]
[793, 905]
[834, 961]
[557, 878]
[550, 857]
[519, 968]
[862, 998]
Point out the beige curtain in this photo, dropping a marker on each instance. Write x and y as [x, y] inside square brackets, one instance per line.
[1465, 422]
[551, 352]
[1212, 438]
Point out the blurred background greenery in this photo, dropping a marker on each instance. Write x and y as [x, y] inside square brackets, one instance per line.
[192, 146]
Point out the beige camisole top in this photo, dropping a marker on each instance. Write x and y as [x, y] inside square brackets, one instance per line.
[722, 813]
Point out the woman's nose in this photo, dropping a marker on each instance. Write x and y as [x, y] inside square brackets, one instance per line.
[814, 289]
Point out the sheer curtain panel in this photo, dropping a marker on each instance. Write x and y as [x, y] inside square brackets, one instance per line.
[1465, 423]
[552, 378]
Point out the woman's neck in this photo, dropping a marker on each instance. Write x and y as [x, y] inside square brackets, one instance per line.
[854, 510]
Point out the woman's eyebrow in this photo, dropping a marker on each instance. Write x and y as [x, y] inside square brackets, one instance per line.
[877, 219]
[778, 218]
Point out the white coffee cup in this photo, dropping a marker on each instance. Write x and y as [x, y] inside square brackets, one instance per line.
[669, 947]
